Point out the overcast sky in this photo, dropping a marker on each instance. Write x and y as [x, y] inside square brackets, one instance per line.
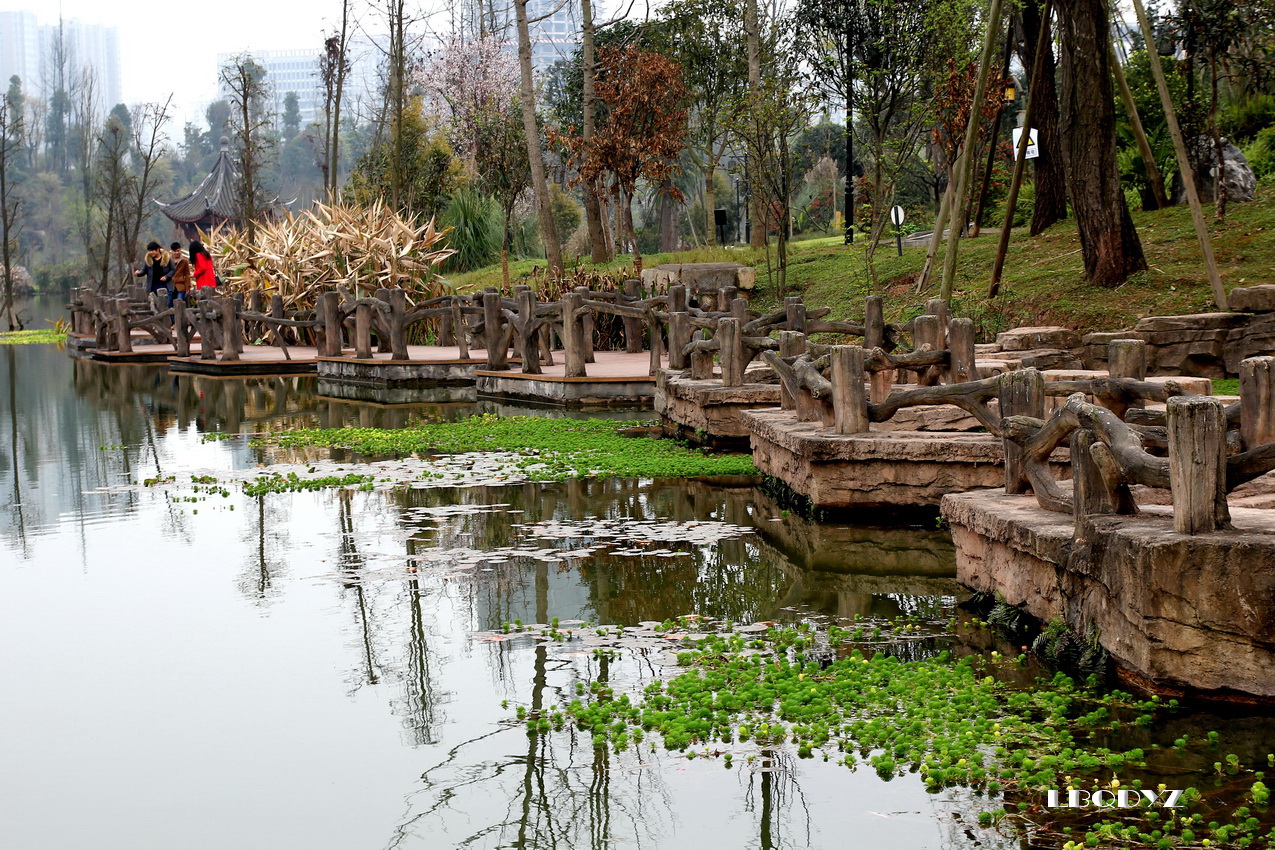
[173, 47]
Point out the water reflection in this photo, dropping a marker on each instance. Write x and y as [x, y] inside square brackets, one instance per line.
[308, 667]
[75, 429]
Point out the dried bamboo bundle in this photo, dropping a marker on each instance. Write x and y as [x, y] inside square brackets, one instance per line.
[362, 248]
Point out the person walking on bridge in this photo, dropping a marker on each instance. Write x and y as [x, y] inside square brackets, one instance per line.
[156, 267]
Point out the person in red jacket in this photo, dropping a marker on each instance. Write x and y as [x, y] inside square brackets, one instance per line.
[202, 267]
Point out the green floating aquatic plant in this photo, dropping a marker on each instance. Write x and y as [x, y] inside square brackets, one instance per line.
[292, 483]
[552, 449]
[35, 337]
[951, 720]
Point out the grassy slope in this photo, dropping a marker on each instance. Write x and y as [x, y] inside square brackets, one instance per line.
[1044, 276]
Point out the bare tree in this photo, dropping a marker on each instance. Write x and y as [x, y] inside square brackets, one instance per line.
[11, 151]
[251, 128]
[113, 190]
[334, 65]
[84, 123]
[150, 143]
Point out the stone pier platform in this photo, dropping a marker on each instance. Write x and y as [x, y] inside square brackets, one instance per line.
[427, 365]
[253, 360]
[707, 413]
[877, 469]
[1178, 614]
[616, 378]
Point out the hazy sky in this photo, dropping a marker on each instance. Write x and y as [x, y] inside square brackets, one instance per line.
[173, 47]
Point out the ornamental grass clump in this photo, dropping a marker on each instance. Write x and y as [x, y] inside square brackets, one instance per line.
[362, 248]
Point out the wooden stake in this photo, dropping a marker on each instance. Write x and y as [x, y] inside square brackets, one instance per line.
[1020, 155]
[1184, 161]
[1144, 147]
[965, 166]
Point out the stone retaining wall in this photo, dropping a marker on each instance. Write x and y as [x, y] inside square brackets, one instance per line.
[1177, 613]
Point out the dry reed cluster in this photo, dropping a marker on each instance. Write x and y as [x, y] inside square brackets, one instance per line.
[361, 248]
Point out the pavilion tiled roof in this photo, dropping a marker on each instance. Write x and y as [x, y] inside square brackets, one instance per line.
[214, 196]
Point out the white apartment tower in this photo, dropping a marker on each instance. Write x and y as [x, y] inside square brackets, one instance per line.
[31, 51]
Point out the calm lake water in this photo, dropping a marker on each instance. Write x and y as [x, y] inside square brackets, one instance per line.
[318, 670]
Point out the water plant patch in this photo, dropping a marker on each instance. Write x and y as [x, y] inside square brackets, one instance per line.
[547, 449]
[33, 337]
[952, 719]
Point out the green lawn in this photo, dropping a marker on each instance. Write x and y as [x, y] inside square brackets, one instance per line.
[1043, 284]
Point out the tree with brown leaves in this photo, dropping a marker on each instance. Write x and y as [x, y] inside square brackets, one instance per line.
[645, 130]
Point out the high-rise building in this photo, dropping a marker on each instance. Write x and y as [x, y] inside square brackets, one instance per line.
[288, 71]
[32, 52]
[298, 71]
[91, 46]
[19, 48]
[557, 35]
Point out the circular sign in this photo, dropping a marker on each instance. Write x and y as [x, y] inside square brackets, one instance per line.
[897, 215]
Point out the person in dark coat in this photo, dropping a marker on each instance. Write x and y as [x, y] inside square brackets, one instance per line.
[157, 267]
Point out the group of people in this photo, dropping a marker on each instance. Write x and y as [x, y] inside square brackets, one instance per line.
[175, 272]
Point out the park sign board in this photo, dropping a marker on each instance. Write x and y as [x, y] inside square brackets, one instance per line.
[1033, 149]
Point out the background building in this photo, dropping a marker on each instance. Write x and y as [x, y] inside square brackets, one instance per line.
[30, 50]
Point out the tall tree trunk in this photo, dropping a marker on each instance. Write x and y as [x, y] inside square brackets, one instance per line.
[668, 221]
[1219, 181]
[710, 208]
[626, 209]
[334, 148]
[1050, 205]
[1108, 240]
[756, 202]
[592, 208]
[849, 162]
[531, 131]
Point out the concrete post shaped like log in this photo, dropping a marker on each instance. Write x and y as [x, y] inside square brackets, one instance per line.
[398, 331]
[795, 314]
[873, 322]
[181, 341]
[960, 345]
[679, 336]
[123, 333]
[728, 352]
[363, 332]
[677, 298]
[1022, 393]
[573, 334]
[458, 329]
[329, 315]
[529, 340]
[231, 330]
[1127, 358]
[849, 391]
[791, 344]
[927, 335]
[632, 327]
[383, 323]
[1257, 402]
[207, 345]
[497, 356]
[1197, 464]
[586, 326]
[1090, 494]
[701, 361]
